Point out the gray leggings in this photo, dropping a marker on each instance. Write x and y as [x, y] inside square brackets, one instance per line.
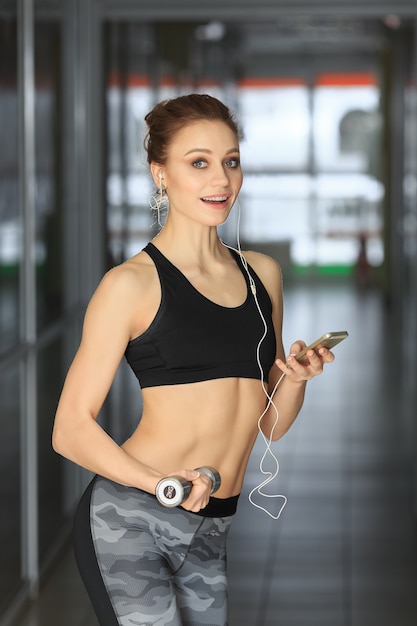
[145, 564]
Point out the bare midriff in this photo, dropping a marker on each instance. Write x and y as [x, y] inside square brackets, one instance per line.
[213, 422]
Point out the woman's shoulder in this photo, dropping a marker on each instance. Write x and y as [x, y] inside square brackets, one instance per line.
[126, 294]
[267, 268]
[269, 272]
[123, 285]
[137, 271]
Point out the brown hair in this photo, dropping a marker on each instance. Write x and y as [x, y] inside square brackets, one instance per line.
[170, 116]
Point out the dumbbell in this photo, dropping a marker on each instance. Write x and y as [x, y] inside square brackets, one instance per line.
[174, 490]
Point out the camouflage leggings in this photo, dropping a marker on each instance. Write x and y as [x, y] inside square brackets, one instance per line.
[144, 564]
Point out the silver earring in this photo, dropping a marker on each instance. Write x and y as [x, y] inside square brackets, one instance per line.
[156, 202]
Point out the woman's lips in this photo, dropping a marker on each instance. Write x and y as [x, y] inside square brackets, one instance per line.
[217, 201]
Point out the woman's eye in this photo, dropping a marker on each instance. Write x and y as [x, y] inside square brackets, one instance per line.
[200, 163]
[233, 162]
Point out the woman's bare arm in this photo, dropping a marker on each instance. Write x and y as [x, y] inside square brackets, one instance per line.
[288, 398]
[106, 332]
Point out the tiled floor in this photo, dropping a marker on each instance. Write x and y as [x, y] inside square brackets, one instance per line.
[344, 552]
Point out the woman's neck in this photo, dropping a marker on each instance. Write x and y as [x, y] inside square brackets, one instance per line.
[200, 244]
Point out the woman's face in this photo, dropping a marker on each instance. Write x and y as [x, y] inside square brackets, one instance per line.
[202, 173]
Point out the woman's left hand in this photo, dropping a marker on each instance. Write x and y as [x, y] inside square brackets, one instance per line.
[311, 365]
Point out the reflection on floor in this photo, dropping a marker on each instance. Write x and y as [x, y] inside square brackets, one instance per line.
[343, 552]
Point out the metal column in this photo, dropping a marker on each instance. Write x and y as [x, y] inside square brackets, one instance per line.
[29, 473]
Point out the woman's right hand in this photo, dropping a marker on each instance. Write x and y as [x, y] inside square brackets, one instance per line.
[200, 491]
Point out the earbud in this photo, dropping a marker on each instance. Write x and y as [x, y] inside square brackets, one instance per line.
[160, 176]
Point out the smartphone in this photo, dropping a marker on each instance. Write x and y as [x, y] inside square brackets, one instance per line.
[329, 340]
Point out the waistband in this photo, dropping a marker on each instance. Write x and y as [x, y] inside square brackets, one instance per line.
[218, 507]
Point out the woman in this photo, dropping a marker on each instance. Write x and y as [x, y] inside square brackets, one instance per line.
[200, 325]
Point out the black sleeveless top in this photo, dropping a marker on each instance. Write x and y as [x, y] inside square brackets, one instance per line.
[192, 339]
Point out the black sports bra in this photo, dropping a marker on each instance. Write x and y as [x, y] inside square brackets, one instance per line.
[192, 339]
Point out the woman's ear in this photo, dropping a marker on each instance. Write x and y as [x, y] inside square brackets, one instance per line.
[157, 173]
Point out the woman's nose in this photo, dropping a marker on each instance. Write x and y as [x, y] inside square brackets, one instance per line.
[220, 175]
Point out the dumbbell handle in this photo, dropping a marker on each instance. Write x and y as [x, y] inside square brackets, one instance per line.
[174, 490]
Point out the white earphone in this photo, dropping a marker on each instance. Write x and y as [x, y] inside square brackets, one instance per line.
[272, 472]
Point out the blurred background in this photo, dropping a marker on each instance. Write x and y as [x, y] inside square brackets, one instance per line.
[326, 93]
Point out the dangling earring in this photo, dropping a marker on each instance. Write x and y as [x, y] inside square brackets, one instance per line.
[156, 202]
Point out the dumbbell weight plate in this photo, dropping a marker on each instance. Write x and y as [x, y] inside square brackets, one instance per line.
[173, 490]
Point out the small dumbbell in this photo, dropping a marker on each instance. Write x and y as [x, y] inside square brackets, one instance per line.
[173, 490]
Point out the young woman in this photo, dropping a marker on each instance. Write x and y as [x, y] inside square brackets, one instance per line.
[200, 325]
